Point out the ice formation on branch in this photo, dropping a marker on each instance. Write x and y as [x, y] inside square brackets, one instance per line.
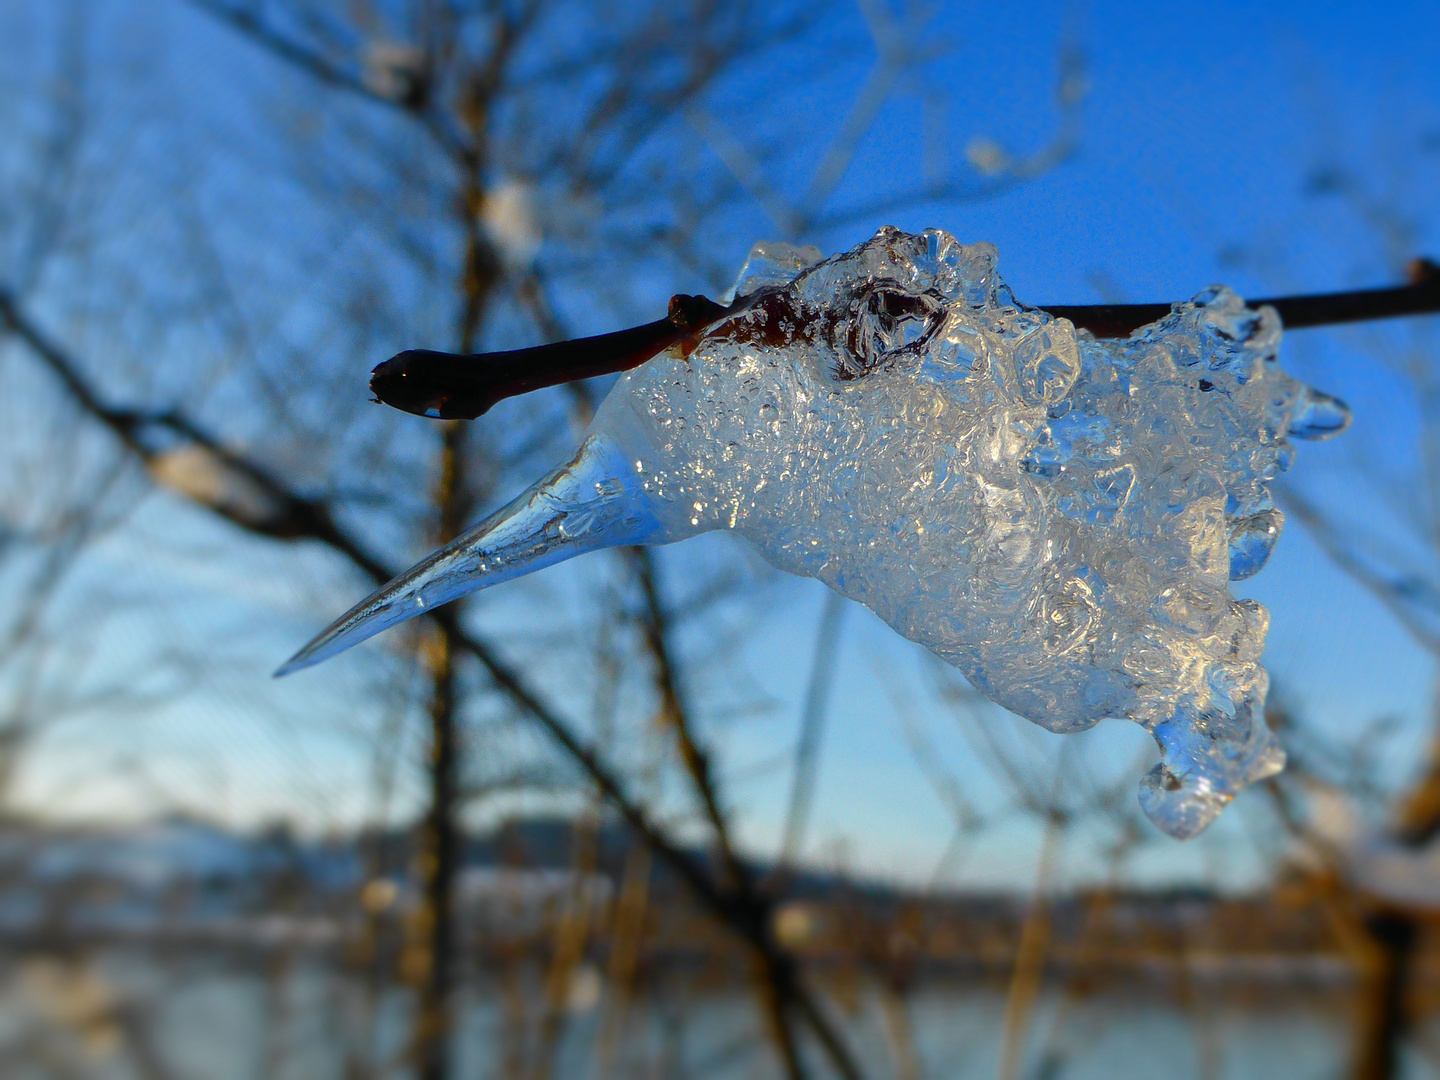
[1057, 516]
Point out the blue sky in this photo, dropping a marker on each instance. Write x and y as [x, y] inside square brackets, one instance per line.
[1201, 131]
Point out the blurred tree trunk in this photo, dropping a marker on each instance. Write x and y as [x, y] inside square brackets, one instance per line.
[1384, 1019]
[439, 864]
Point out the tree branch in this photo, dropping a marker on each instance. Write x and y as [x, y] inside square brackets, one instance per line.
[1420, 297]
[415, 104]
[812, 722]
[454, 385]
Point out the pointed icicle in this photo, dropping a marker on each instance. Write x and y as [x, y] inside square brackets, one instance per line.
[583, 506]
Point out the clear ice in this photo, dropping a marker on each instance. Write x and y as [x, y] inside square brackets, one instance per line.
[1057, 516]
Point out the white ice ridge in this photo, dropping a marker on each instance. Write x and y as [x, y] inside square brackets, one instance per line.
[1057, 516]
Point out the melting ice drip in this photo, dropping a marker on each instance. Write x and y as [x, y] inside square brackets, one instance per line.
[1057, 516]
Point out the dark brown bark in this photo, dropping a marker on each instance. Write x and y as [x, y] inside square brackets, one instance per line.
[1420, 297]
[458, 387]
[465, 386]
[1384, 1018]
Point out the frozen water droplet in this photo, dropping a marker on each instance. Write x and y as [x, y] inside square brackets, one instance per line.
[1317, 415]
[1182, 806]
[1252, 539]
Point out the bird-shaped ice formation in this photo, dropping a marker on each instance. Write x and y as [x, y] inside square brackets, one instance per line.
[1057, 516]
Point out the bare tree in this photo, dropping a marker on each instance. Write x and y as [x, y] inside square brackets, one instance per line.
[377, 175]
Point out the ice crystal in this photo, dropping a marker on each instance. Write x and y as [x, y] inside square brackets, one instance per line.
[1057, 516]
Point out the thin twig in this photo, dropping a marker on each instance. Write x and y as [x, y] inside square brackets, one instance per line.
[319, 67]
[674, 712]
[465, 386]
[777, 983]
[812, 722]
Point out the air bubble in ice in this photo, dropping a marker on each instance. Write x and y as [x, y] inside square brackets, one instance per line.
[1317, 415]
[1251, 541]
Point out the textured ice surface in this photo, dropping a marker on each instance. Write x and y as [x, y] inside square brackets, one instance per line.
[1058, 517]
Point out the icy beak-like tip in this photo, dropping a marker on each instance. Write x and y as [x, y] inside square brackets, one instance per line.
[325, 645]
[425, 586]
[354, 627]
[538, 528]
[411, 594]
[299, 662]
